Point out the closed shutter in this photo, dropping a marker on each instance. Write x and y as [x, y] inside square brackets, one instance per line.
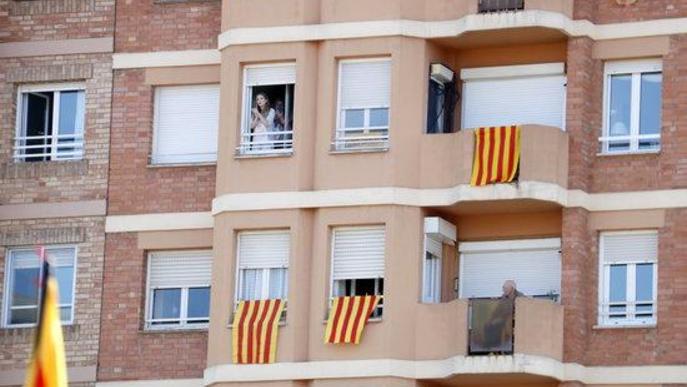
[62, 256]
[180, 269]
[365, 84]
[263, 250]
[536, 268]
[434, 246]
[358, 252]
[534, 99]
[186, 121]
[630, 247]
[283, 74]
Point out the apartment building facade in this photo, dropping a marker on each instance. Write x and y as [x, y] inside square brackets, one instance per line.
[304, 150]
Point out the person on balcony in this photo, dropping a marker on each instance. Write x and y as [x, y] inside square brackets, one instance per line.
[510, 290]
[262, 122]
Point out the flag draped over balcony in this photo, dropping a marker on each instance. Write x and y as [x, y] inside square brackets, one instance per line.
[347, 318]
[254, 331]
[497, 155]
[47, 367]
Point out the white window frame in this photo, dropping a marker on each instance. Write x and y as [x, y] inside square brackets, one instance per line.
[7, 291]
[183, 301]
[238, 285]
[244, 146]
[604, 286]
[635, 68]
[379, 310]
[347, 143]
[435, 281]
[19, 154]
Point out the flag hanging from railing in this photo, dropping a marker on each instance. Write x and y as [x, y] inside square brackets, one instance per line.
[347, 318]
[497, 155]
[47, 367]
[254, 331]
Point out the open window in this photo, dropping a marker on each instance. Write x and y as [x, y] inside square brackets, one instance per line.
[439, 238]
[441, 99]
[50, 123]
[267, 119]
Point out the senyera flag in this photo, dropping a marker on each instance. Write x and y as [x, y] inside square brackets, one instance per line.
[347, 318]
[497, 155]
[254, 331]
[47, 367]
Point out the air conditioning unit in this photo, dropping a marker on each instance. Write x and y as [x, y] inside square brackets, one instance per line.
[440, 73]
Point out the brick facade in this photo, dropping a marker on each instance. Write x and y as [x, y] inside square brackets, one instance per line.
[128, 352]
[609, 11]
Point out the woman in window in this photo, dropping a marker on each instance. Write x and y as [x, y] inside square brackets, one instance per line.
[262, 121]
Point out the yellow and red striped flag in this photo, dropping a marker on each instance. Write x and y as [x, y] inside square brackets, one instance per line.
[497, 155]
[254, 333]
[47, 367]
[347, 318]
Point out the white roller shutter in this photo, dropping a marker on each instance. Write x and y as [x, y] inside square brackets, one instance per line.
[263, 249]
[525, 99]
[278, 74]
[365, 84]
[434, 246]
[57, 256]
[186, 121]
[180, 269]
[535, 265]
[629, 247]
[358, 252]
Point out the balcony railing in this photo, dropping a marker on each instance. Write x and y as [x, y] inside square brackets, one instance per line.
[48, 147]
[491, 326]
[491, 6]
[266, 143]
[361, 139]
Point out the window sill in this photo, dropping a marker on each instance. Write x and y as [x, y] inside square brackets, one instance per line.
[361, 150]
[241, 156]
[181, 165]
[625, 326]
[173, 330]
[628, 153]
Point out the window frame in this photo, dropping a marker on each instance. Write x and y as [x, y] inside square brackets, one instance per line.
[7, 296]
[246, 102]
[148, 321]
[604, 319]
[341, 143]
[435, 281]
[634, 68]
[56, 89]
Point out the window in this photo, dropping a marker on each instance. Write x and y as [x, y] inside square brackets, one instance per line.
[267, 124]
[263, 265]
[363, 112]
[178, 295]
[441, 99]
[489, 6]
[358, 262]
[185, 124]
[50, 123]
[632, 106]
[627, 279]
[431, 288]
[22, 291]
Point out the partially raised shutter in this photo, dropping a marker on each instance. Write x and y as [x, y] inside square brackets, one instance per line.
[365, 84]
[358, 252]
[180, 269]
[535, 269]
[630, 247]
[281, 74]
[57, 256]
[264, 249]
[186, 121]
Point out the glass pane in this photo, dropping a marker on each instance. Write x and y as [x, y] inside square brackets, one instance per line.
[354, 118]
[25, 286]
[251, 284]
[379, 117]
[278, 284]
[65, 282]
[618, 285]
[166, 303]
[198, 302]
[71, 112]
[66, 313]
[644, 282]
[619, 109]
[24, 316]
[650, 104]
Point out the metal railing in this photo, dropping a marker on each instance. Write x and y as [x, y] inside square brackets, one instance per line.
[491, 6]
[358, 138]
[49, 147]
[266, 143]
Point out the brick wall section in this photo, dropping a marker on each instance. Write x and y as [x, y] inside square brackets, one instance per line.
[81, 338]
[127, 352]
[167, 25]
[55, 20]
[53, 181]
[134, 186]
[608, 11]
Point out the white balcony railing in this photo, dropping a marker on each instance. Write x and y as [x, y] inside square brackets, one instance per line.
[49, 147]
[361, 139]
[266, 143]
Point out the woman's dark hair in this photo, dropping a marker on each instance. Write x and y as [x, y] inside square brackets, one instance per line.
[267, 105]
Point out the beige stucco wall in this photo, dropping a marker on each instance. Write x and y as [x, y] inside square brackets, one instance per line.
[538, 328]
[480, 227]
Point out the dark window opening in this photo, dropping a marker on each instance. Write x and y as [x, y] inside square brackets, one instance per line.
[489, 6]
[442, 98]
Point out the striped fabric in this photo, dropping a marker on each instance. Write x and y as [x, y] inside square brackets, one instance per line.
[254, 333]
[497, 155]
[348, 317]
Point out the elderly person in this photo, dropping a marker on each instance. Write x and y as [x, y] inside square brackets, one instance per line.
[510, 290]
